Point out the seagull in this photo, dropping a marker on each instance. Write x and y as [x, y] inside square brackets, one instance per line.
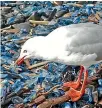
[75, 44]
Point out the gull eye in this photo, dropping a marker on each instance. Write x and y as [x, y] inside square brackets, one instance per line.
[25, 51]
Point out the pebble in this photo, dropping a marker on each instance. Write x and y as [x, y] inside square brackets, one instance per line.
[100, 82]
[61, 13]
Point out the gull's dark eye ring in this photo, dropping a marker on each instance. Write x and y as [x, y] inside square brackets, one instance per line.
[25, 51]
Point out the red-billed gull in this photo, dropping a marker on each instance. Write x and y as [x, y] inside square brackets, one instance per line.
[76, 44]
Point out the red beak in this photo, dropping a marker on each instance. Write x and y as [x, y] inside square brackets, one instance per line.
[20, 61]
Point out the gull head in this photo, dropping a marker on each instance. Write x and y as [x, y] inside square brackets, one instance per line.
[27, 51]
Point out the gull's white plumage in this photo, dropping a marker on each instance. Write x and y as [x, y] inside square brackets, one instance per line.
[76, 44]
